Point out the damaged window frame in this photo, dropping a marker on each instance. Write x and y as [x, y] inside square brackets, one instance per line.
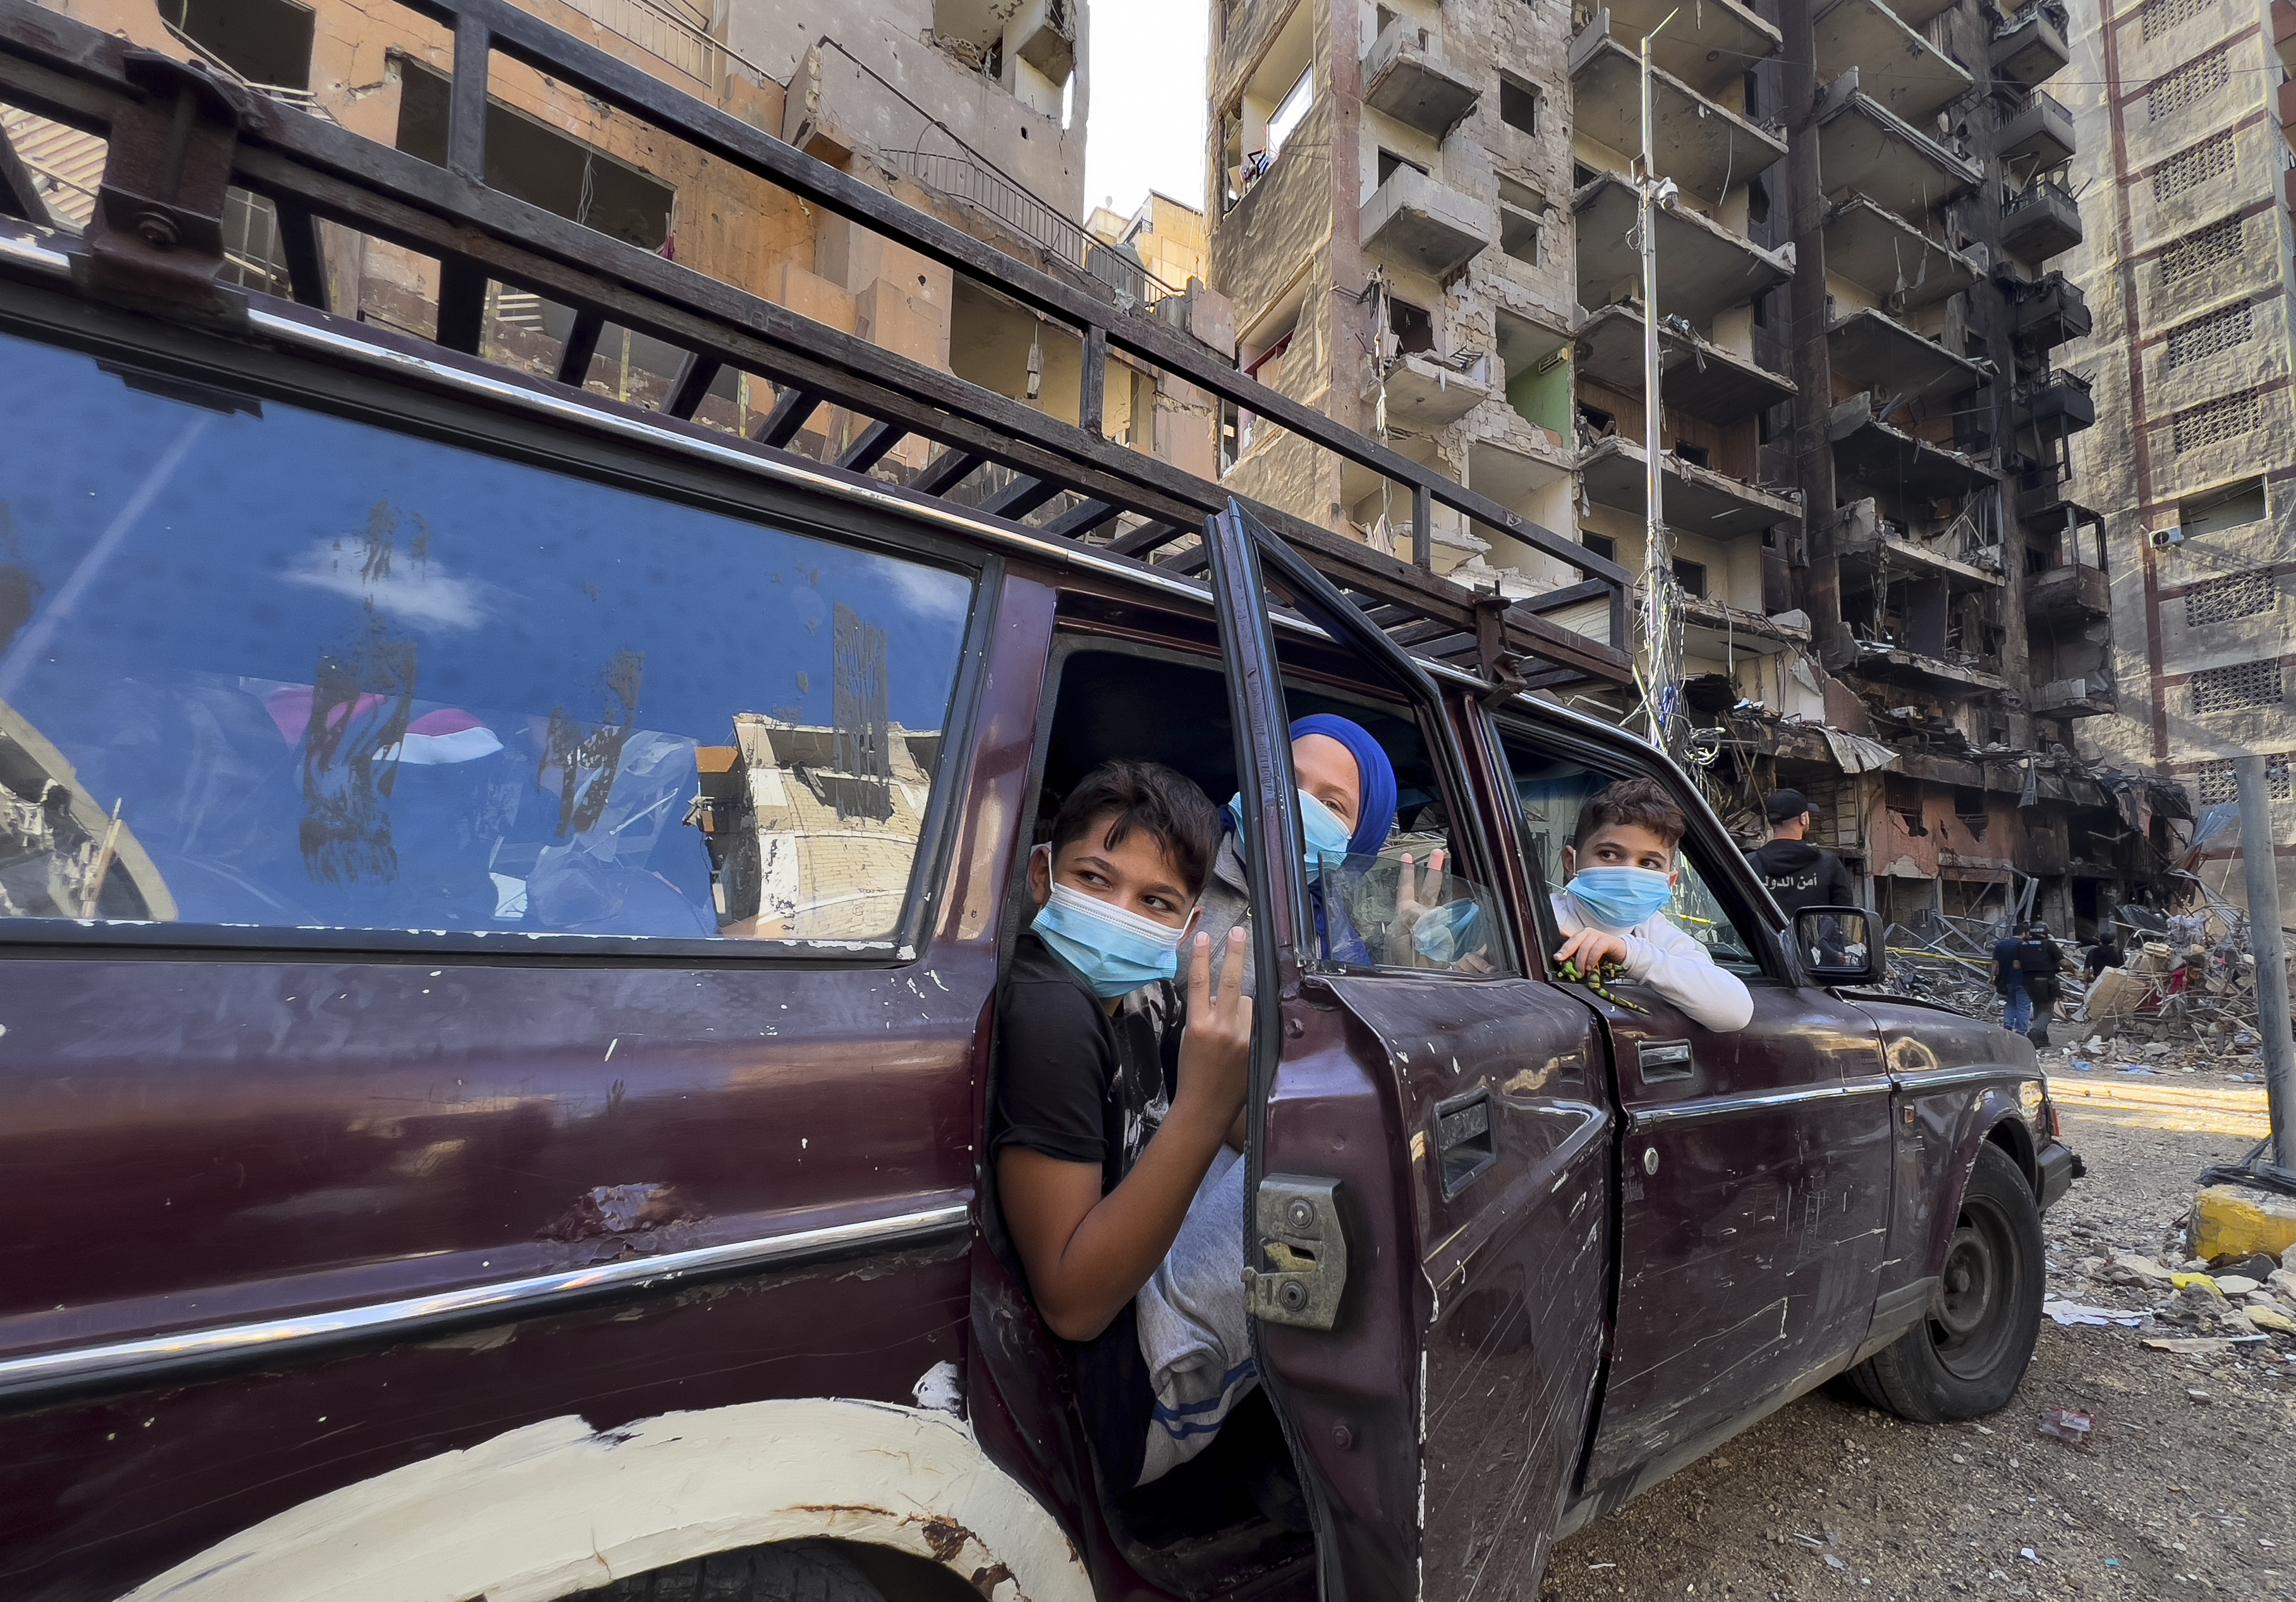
[577, 444]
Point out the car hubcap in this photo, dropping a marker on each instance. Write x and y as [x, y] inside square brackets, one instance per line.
[1969, 1320]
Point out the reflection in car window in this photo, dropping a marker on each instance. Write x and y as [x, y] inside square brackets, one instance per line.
[1419, 915]
[272, 668]
[1699, 913]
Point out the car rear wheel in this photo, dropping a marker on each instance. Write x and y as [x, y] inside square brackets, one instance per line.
[1967, 1356]
[805, 1571]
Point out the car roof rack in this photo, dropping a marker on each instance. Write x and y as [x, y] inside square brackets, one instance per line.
[180, 135]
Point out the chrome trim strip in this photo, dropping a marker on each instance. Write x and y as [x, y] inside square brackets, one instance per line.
[1725, 1106]
[504, 1300]
[1942, 1079]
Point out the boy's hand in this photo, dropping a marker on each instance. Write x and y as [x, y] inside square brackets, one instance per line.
[1590, 949]
[1216, 1050]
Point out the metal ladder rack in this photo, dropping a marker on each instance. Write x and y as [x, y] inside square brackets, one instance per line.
[174, 128]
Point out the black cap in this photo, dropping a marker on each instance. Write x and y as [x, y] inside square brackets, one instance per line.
[1787, 805]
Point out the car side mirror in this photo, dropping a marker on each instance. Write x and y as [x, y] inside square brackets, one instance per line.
[1839, 945]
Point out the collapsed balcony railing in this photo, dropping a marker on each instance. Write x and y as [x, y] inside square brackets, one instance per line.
[311, 169]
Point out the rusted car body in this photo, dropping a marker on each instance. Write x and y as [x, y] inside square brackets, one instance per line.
[413, 1209]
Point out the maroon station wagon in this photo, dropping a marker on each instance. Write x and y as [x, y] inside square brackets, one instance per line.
[505, 896]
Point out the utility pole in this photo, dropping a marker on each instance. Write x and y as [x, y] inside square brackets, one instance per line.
[1660, 631]
[2266, 944]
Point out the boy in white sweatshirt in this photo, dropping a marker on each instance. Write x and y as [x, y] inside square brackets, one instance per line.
[1622, 876]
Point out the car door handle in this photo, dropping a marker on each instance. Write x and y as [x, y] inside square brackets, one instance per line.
[1661, 1060]
[1466, 1141]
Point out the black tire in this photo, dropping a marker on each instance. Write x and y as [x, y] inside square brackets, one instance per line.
[1967, 1356]
[805, 1571]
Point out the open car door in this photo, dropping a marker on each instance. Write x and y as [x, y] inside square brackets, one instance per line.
[1427, 1232]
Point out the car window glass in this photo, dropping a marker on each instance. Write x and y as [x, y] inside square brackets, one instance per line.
[1414, 903]
[1549, 789]
[266, 667]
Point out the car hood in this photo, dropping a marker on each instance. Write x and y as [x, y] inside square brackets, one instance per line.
[1921, 1037]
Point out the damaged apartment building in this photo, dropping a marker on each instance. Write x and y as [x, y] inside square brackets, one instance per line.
[2183, 166]
[1424, 216]
[974, 110]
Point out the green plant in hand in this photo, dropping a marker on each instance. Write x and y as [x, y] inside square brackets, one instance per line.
[1599, 980]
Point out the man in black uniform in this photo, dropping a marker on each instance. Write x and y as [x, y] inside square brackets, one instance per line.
[1800, 874]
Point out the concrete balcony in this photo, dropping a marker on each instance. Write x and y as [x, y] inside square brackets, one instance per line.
[1897, 66]
[1709, 45]
[1896, 264]
[1893, 461]
[2088, 697]
[1918, 13]
[2030, 48]
[1515, 468]
[1865, 147]
[1700, 146]
[1696, 376]
[1424, 394]
[1737, 632]
[2071, 594]
[1414, 223]
[1863, 538]
[1699, 500]
[1885, 663]
[2042, 127]
[1875, 350]
[2287, 105]
[2040, 221]
[1404, 76]
[2056, 403]
[2053, 311]
[2284, 32]
[1706, 268]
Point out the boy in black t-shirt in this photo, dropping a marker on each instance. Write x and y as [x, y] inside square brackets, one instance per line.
[1114, 1093]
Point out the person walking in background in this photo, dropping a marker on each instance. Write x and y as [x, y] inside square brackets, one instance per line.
[2041, 962]
[2009, 984]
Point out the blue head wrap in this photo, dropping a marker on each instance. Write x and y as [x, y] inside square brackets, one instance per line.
[1375, 790]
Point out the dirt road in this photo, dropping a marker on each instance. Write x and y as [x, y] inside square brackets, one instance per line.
[2186, 1489]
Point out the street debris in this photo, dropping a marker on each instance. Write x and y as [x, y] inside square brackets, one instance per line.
[2069, 1313]
[2187, 978]
[2063, 1423]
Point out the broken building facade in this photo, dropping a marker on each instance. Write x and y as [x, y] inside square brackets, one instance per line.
[974, 110]
[2183, 167]
[1891, 598]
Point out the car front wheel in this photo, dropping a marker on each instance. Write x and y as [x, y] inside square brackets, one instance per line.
[1968, 1354]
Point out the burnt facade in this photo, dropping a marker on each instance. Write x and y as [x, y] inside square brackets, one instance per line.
[1885, 589]
[2183, 163]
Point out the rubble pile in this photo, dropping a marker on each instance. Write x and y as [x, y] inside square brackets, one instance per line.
[2184, 979]
[2178, 1303]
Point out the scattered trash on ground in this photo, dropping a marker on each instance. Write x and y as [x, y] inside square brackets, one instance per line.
[2073, 1312]
[2063, 1423]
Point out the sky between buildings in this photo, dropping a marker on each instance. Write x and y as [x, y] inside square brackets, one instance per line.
[1146, 128]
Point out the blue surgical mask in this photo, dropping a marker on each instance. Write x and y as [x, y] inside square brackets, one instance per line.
[1621, 898]
[1327, 836]
[1115, 951]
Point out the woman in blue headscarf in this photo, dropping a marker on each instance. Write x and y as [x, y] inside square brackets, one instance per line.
[1346, 810]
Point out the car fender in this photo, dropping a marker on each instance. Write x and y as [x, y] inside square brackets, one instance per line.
[1994, 1116]
[557, 1506]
